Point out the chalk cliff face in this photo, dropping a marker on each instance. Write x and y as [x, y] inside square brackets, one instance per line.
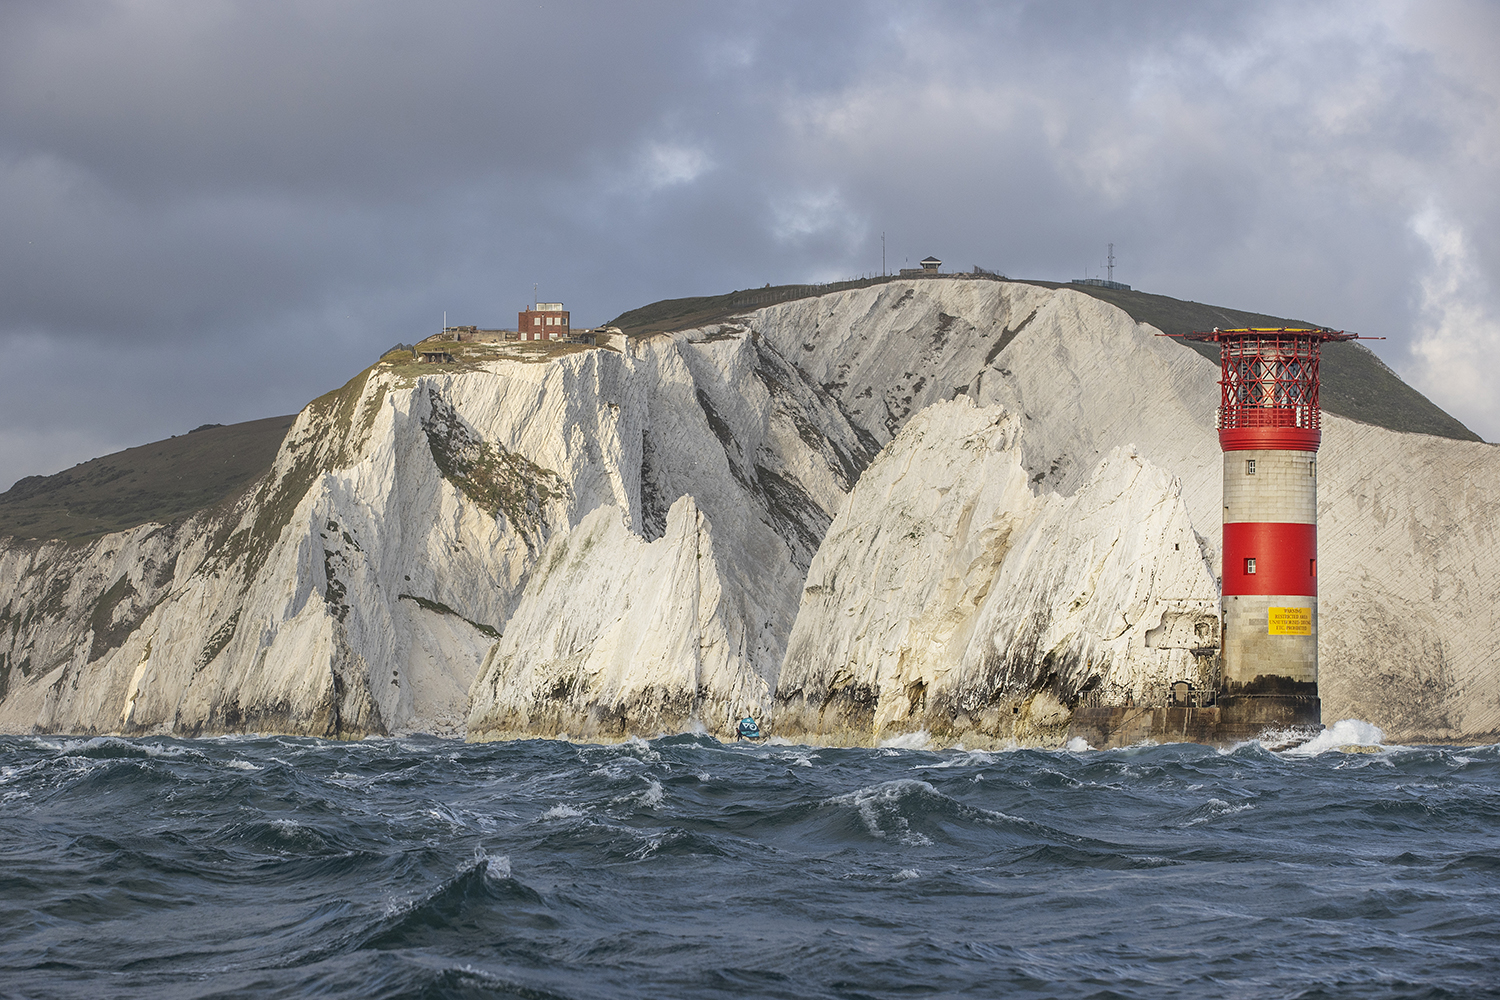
[606, 542]
[411, 517]
[950, 597]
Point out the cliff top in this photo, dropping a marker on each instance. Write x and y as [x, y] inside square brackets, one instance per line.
[167, 480]
[1356, 384]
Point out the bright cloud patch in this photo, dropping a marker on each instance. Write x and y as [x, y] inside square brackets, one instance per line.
[665, 165]
[1459, 332]
[807, 214]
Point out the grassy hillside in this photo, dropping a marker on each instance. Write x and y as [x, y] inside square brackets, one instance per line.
[1356, 384]
[685, 314]
[163, 481]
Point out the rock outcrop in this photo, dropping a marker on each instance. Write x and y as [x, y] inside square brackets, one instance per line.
[659, 536]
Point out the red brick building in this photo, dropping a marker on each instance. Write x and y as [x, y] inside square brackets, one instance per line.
[544, 321]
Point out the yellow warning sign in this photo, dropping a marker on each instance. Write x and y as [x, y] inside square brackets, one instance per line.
[1290, 621]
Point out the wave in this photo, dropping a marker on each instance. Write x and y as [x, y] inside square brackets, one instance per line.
[1344, 733]
[914, 813]
[686, 867]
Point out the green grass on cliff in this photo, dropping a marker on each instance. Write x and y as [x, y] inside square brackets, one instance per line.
[163, 481]
[685, 314]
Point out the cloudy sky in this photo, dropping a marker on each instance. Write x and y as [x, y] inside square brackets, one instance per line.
[215, 211]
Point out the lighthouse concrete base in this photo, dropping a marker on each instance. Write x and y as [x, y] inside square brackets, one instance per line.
[1270, 644]
[1232, 719]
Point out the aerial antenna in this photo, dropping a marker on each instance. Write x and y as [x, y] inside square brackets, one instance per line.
[882, 254]
[1111, 262]
[533, 295]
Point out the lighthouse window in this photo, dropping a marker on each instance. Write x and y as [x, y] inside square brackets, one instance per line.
[1312, 567]
[1249, 466]
[1312, 468]
[1250, 566]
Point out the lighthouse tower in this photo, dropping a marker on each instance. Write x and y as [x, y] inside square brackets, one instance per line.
[1269, 430]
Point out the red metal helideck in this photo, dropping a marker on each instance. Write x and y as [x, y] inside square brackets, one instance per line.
[1268, 382]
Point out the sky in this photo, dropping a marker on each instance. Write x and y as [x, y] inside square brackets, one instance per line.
[216, 211]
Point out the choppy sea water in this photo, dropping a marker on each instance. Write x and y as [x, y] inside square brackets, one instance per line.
[679, 867]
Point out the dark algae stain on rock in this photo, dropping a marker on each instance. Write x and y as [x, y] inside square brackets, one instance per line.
[499, 481]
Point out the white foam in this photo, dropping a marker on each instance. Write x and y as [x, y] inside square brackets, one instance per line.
[906, 874]
[1216, 808]
[966, 758]
[652, 796]
[884, 801]
[919, 740]
[561, 811]
[68, 746]
[443, 814]
[642, 748]
[1345, 732]
[1077, 745]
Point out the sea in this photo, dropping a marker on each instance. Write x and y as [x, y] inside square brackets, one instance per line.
[682, 867]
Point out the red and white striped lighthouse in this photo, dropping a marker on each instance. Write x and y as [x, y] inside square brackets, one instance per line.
[1269, 429]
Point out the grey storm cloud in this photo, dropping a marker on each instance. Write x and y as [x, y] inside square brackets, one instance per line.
[214, 212]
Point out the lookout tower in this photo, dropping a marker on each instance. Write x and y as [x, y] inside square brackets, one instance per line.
[543, 321]
[1269, 430]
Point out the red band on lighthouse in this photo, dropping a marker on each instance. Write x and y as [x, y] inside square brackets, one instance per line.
[1284, 559]
[1283, 438]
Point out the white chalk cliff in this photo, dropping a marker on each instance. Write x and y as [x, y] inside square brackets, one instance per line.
[950, 597]
[959, 506]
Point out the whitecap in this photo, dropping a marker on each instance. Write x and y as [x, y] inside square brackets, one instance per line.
[879, 808]
[964, 758]
[496, 868]
[1215, 808]
[443, 814]
[919, 740]
[1343, 733]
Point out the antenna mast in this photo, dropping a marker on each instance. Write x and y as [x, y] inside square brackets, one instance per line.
[1111, 262]
[882, 254]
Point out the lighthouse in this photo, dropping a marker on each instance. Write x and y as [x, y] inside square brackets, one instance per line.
[1269, 431]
